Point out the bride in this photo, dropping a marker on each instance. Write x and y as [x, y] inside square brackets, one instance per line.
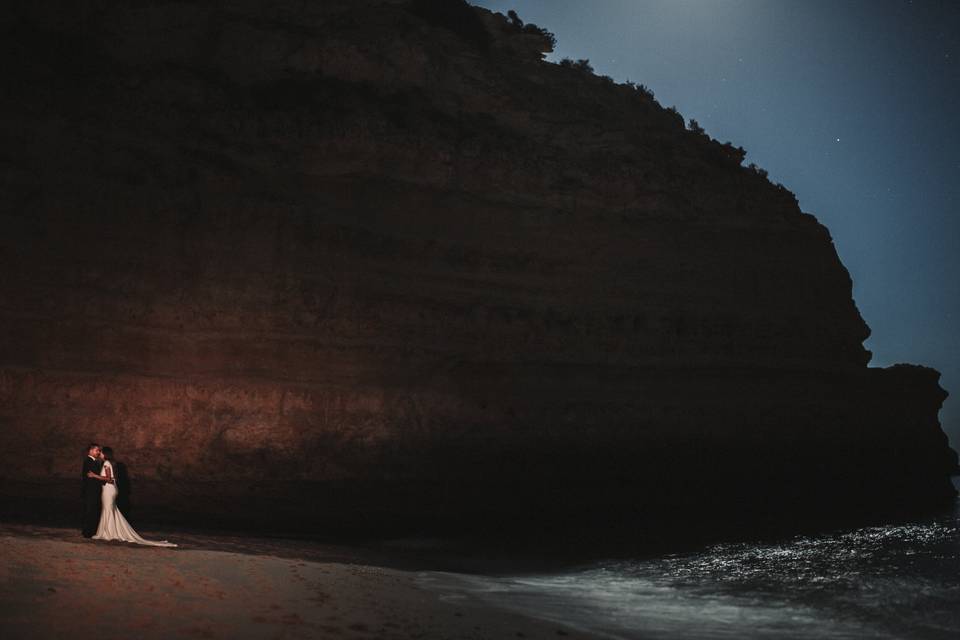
[113, 526]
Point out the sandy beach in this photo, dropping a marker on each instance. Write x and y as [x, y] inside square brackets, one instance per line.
[52, 582]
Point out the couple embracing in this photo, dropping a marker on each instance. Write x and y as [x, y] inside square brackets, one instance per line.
[102, 519]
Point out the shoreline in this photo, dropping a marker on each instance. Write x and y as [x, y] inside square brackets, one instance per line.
[492, 549]
[54, 580]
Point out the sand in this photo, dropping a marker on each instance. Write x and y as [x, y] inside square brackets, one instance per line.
[55, 584]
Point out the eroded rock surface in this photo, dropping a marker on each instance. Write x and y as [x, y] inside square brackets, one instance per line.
[369, 261]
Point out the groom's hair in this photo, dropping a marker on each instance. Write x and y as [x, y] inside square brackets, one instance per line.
[91, 446]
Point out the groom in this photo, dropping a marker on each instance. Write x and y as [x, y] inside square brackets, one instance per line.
[92, 487]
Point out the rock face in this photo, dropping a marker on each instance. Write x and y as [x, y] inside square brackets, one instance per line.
[375, 262]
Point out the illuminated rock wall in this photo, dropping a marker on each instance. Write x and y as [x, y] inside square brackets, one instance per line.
[352, 263]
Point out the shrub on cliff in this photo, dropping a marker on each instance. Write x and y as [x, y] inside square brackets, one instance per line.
[642, 89]
[757, 170]
[737, 154]
[456, 16]
[580, 65]
[547, 36]
[532, 29]
[675, 116]
[583, 65]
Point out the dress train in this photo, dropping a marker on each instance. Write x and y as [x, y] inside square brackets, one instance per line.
[113, 526]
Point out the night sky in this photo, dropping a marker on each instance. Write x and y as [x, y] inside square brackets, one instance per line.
[852, 105]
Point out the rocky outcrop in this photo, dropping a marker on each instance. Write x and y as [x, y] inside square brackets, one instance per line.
[378, 262]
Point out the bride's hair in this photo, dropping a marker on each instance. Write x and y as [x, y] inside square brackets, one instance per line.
[107, 453]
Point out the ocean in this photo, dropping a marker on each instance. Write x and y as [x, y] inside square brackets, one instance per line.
[900, 580]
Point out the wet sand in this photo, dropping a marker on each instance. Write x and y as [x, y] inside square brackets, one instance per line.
[55, 584]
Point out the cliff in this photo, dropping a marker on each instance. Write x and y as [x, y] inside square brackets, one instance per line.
[375, 262]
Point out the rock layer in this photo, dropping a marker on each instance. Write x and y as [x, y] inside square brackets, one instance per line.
[379, 262]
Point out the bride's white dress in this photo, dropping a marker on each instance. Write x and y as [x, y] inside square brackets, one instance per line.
[113, 526]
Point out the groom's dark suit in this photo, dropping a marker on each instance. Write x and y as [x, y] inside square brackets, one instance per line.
[92, 489]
